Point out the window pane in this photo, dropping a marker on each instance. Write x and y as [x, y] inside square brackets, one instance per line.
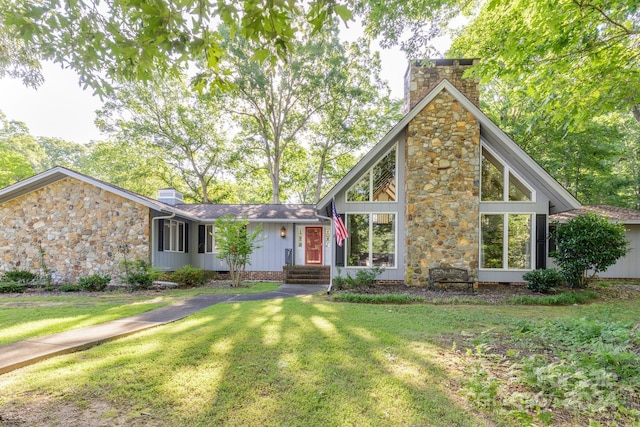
[360, 191]
[491, 248]
[384, 240]
[358, 241]
[384, 179]
[518, 192]
[174, 236]
[209, 238]
[519, 240]
[166, 235]
[492, 178]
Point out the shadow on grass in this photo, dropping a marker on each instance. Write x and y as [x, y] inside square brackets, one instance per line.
[279, 362]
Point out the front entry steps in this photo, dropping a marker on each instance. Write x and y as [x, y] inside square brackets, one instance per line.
[307, 274]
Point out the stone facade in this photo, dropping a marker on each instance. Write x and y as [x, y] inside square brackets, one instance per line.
[75, 227]
[442, 177]
[419, 79]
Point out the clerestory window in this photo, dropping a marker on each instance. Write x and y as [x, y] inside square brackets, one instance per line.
[378, 184]
[499, 183]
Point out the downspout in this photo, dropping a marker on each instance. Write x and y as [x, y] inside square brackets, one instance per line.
[153, 264]
[332, 246]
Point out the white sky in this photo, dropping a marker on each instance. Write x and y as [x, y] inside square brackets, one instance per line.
[60, 108]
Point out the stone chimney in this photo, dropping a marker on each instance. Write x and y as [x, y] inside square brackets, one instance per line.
[170, 196]
[421, 76]
[442, 174]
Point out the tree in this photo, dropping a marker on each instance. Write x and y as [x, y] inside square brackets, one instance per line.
[185, 127]
[297, 102]
[18, 61]
[579, 58]
[235, 244]
[134, 165]
[134, 40]
[587, 243]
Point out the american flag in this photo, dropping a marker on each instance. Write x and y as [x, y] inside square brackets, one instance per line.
[341, 230]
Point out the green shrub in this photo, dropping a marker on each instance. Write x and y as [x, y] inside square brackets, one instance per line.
[12, 287]
[68, 288]
[20, 276]
[188, 276]
[139, 274]
[95, 282]
[363, 278]
[587, 243]
[543, 281]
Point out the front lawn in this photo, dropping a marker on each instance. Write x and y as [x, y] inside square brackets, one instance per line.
[25, 316]
[309, 361]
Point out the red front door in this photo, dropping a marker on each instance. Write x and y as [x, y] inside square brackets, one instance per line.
[313, 245]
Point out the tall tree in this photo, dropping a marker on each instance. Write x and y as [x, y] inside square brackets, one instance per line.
[324, 86]
[134, 165]
[579, 58]
[186, 128]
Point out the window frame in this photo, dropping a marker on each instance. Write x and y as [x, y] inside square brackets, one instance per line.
[174, 236]
[506, 172]
[370, 240]
[370, 174]
[505, 241]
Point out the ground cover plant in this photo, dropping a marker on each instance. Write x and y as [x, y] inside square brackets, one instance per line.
[312, 361]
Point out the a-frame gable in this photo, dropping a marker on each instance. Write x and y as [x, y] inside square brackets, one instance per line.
[561, 199]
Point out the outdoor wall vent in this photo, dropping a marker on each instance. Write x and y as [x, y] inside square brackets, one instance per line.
[170, 196]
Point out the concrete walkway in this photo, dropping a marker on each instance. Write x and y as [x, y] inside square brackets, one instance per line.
[23, 353]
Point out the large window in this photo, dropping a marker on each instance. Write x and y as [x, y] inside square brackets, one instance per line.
[173, 236]
[506, 241]
[499, 183]
[372, 240]
[378, 184]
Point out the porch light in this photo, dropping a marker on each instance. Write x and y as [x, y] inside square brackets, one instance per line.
[283, 232]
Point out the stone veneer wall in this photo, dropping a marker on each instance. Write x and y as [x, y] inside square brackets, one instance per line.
[78, 226]
[420, 79]
[442, 189]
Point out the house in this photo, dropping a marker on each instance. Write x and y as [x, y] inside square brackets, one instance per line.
[445, 187]
[79, 225]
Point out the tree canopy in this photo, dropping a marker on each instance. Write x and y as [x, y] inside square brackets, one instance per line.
[578, 58]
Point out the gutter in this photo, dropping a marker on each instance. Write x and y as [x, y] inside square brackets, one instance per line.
[153, 228]
[332, 248]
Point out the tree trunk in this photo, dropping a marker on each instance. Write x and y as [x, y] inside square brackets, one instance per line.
[636, 113]
[319, 177]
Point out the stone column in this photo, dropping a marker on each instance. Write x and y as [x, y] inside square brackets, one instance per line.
[442, 177]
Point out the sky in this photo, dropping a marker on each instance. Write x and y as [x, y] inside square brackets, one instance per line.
[61, 108]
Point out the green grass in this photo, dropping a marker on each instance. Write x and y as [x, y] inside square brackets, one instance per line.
[377, 299]
[564, 298]
[298, 362]
[28, 316]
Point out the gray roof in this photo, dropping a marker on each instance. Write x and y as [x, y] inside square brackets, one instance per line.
[196, 212]
[255, 212]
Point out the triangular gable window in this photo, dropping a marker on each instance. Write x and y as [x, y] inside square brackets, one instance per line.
[499, 182]
[378, 184]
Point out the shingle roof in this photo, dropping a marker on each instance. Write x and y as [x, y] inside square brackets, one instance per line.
[613, 213]
[267, 212]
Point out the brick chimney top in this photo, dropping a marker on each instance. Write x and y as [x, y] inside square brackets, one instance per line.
[422, 76]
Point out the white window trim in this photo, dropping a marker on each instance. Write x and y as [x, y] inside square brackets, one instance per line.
[174, 235]
[505, 241]
[370, 172]
[395, 240]
[506, 170]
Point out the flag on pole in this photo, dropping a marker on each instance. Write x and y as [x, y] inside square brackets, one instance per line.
[341, 230]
